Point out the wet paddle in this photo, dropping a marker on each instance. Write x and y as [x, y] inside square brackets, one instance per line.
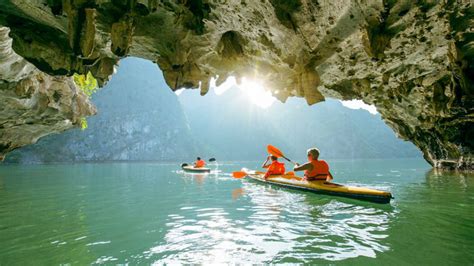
[242, 174]
[239, 174]
[212, 160]
[276, 152]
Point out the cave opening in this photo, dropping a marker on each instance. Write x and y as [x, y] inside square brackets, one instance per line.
[141, 118]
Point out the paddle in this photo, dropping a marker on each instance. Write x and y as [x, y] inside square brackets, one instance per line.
[242, 174]
[276, 152]
[212, 160]
[239, 174]
[273, 151]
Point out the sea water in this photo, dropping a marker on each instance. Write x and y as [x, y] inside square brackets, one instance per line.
[154, 213]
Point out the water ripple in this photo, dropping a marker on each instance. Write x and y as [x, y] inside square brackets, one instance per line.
[279, 226]
[146, 213]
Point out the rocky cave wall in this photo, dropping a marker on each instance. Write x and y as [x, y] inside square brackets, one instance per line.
[412, 59]
[34, 104]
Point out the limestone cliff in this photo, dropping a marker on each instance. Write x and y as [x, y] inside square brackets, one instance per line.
[412, 59]
[33, 103]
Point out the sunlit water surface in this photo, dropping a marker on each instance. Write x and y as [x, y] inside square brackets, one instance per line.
[153, 213]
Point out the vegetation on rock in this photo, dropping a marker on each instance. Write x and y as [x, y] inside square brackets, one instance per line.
[88, 84]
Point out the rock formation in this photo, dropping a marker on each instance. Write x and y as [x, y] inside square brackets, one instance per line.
[412, 59]
[33, 103]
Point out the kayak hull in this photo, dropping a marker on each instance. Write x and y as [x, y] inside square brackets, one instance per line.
[323, 187]
[192, 169]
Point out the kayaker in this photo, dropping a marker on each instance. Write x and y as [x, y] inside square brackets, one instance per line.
[199, 163]
[273, 168]
[314, 169]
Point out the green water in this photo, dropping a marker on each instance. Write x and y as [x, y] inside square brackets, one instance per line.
[151, 213]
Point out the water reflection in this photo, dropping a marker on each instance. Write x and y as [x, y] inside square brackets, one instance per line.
[193, 177]
[198, 177]
[237, 193]
[33, 218]
[435, 219]
[274, 225]
[324, 228]
[441, 178]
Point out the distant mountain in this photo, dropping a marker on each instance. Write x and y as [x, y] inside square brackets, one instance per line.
[139, 118]
[231, 128]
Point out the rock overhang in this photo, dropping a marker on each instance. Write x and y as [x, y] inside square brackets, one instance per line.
[413, 61]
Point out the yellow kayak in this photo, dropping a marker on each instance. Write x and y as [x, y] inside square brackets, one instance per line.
[323, 187]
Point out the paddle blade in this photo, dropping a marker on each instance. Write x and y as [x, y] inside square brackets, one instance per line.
[239, 174]
[212, 160]
[184, 164]
[274, 151]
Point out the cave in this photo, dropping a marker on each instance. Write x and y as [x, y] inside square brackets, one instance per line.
[412, 60]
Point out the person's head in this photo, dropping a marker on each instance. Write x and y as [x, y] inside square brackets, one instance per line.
[274, 158]
[198, 158]
[313, 154]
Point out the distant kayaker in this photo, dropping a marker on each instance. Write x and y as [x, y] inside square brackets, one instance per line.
[199, 163]
[273, 168]
[314, 169]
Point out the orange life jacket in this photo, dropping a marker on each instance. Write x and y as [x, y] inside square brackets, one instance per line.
[276, 168]
[199, 163]
[320, 171]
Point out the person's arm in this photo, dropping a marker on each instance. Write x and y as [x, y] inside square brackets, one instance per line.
[265, 165]
[330, 177]
[307, 166]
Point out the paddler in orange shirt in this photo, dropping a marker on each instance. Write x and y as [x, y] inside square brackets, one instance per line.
[199, 163]
[273, 168]
[314, 169]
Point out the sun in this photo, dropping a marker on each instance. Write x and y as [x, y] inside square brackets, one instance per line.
[256, 93]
